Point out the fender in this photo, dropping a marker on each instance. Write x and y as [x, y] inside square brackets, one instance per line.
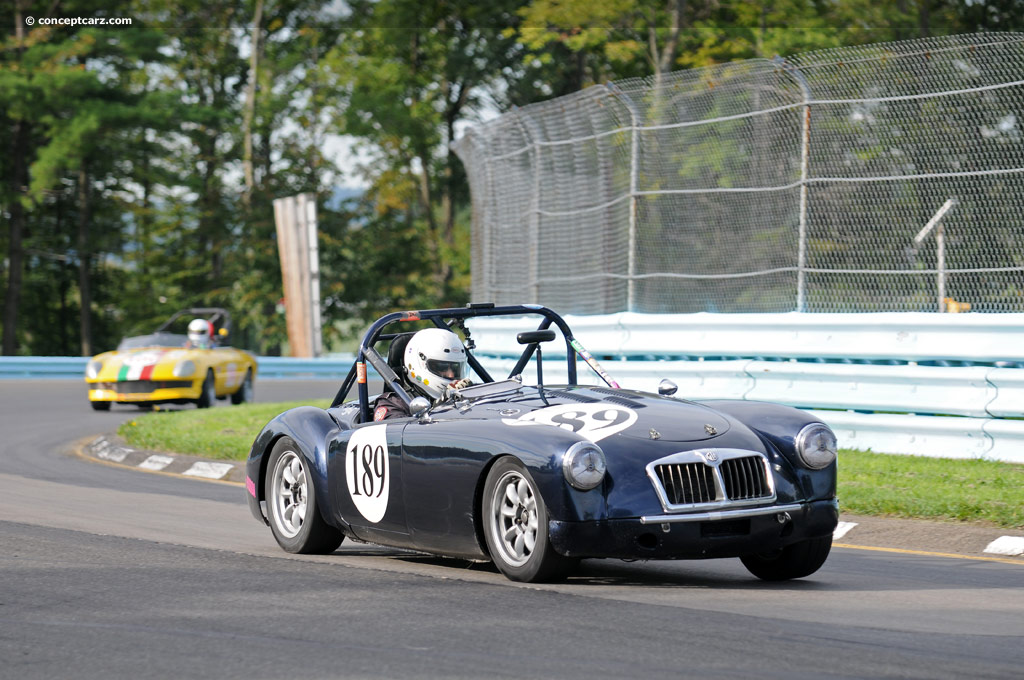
[538, 447]
[778, 425]
[310, 428]
[543, 459]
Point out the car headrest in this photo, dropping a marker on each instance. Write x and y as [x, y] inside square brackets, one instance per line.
[396, 352]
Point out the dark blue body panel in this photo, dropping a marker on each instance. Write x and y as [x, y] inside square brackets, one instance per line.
[437, 468]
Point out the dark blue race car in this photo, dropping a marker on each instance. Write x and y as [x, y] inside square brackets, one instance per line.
[537, 477]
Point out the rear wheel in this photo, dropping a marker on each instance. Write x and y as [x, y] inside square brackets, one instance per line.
[292, 504]
[209, 394]
[100, 405]
[244, 393]
[793, 561]
[516, 526]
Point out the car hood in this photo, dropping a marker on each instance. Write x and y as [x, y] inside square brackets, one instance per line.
[144, 363]
[598, 413]
[145, 355]
[632, 428]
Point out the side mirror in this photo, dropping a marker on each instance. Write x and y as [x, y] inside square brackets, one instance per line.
[667, 388]
[419, 406]
[530, 337]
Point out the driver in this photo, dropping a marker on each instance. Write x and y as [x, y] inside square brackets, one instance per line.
[435, 364]
[200, 333]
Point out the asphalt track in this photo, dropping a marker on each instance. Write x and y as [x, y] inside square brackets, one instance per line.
[118, 573]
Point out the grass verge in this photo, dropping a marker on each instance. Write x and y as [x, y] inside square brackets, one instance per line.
[936, 488]
[220, 433]
[869, 483]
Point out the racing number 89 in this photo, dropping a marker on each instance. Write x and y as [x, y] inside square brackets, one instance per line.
[373, 470]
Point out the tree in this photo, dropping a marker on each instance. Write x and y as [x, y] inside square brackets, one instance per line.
[411, 73]
[615, 35]
[67, 103]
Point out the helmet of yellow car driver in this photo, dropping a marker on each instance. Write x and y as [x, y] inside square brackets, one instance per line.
[199, 333]
[434, 358]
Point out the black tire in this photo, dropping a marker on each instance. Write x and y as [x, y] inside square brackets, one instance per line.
[292, 505]
[793, 561]
[244, 391]
[100, 405]
[515, 517]
[208, 395]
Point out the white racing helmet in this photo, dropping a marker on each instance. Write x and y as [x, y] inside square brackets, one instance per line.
[434, 358]
[199, 332]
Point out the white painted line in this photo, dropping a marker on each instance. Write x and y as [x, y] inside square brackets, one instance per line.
[1007, 545]
[156, 462]
[209, 470]
[841, 530]
[116, 455]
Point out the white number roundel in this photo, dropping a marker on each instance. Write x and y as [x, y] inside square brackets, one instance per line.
[141, 359]
[368, 471]
[593, 421]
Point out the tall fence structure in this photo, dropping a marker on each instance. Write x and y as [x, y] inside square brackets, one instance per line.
[885, 177]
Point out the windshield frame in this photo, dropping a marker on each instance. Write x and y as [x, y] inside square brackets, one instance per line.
[446, 319]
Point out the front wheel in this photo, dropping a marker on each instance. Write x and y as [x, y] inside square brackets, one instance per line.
[292, 504]
[100, 405]
[793, 561]
[244, 393]
[208, 395]
[516, 526]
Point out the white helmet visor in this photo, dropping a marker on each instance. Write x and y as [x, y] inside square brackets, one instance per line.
[451, 370]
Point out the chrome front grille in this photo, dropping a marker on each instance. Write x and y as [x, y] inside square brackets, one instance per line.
[687, 483]
[142, 386]
[712, 478]
[744, 478]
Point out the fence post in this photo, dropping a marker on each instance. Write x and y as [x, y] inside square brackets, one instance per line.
[805, 160]
[533, 233]
[633, 176]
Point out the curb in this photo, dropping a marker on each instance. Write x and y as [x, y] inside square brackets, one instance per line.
[888, 534]
[112, 449]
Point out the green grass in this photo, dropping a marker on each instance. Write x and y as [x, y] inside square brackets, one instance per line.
[869, 483]
[935, 488]
[222, 433]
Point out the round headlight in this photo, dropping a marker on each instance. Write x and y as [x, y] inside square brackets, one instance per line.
[584, 465]
[816, 446]
[184, 369]
[92, 369]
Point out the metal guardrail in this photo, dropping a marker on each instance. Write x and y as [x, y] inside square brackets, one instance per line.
[326, 368]
[989, 339]
[331, 368]
[43, 367]
[883, 381]
[918, 410]
[925, 384]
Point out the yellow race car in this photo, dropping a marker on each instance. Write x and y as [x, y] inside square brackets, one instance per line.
[168, 366]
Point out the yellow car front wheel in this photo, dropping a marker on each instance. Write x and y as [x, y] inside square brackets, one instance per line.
[244, 393]
[209, 393]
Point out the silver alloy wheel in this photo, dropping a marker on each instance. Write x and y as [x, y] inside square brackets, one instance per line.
[513, 521]
[289, 493]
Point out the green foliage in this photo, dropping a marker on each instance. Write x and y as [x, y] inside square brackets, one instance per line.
[124, 146]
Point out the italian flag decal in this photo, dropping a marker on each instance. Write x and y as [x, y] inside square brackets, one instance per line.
[139, 366]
